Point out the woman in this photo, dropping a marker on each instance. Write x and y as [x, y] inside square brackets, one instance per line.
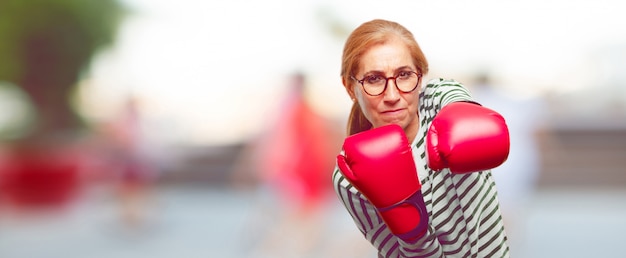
[382, 69]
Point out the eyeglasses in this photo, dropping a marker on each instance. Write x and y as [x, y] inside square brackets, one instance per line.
[374, 85]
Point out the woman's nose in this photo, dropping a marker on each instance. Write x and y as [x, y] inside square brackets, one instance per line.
[391, 92]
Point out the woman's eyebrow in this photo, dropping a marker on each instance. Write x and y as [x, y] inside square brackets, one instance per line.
[401, 68]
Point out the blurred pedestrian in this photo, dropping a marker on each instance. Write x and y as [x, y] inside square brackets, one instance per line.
[288, 160]
[136, 172]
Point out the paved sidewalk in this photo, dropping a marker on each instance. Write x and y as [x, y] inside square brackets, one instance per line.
[209, 222]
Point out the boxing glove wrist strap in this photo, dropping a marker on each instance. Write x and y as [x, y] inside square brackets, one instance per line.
[416, 200]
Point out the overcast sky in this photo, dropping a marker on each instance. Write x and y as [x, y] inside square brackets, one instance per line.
[213, 71]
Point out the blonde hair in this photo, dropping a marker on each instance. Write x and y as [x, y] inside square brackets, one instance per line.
[375, 32]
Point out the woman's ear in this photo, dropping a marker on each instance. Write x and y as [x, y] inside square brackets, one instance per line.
[349, 89]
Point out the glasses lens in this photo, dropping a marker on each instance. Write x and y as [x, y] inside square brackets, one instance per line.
[374, 85]
[407, 81]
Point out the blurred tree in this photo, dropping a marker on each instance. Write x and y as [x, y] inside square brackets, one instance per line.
[45, 46]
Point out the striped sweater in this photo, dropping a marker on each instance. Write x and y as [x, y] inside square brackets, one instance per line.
[464, 213]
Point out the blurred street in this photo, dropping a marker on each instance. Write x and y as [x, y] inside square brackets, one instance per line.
[212, 222]
[183, 222]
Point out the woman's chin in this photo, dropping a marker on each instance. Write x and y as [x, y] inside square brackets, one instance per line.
[397, 122]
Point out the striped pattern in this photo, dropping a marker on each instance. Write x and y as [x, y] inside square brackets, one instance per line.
[465, 218]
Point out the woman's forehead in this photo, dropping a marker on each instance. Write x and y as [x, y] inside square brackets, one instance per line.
[389, 56]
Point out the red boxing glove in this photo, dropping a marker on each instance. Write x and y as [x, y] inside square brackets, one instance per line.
[467, 137]
[379, 163]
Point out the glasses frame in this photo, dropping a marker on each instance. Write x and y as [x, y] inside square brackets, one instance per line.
[419, 78]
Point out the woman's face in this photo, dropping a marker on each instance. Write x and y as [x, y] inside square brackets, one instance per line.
[392, 106]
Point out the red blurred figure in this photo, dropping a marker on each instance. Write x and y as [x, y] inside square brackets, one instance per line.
[295, 152]
[291, 160]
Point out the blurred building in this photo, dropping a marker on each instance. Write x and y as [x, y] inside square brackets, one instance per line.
[587, 144]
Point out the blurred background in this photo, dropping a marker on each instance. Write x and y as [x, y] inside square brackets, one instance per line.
[151, 128]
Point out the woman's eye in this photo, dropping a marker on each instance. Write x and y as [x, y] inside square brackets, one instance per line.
[404, 74]
[374, 79]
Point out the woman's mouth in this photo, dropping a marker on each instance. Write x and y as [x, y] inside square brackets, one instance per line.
[395, 112]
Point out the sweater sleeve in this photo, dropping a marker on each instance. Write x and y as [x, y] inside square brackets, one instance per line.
[440, 92]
